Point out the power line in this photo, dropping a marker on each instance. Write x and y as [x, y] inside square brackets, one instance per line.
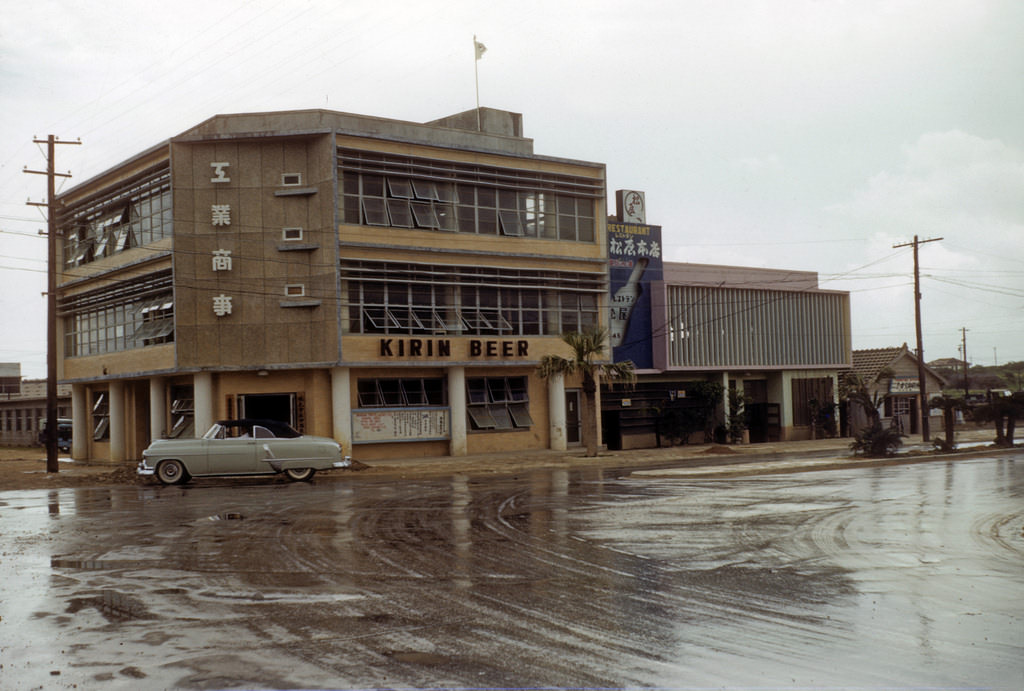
[976, 286]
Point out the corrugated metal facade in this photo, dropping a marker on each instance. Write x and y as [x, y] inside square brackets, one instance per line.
[715, 327]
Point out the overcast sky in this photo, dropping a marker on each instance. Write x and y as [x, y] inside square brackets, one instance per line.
[791, 134]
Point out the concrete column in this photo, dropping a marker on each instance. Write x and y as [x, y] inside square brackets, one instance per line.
[785, 398]
[556, 413]
[341, 408]
[81, 423]
[725, 399]
[157, 409]
[117, 422]
[202, 392]
[457, 402]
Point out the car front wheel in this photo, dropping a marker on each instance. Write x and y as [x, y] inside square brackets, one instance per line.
[300, 474]
[171, 472]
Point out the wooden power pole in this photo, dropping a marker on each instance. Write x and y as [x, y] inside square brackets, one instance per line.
[51, 295]
[963, 336]
[921, 381]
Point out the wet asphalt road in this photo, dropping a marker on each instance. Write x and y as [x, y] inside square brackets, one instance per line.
[903, 576]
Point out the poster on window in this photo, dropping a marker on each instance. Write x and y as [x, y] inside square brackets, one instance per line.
[634, 262]
[388, 425]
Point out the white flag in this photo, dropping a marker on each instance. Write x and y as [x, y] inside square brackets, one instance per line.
[480, 48]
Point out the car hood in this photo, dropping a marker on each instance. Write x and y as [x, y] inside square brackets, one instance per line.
[158, 444]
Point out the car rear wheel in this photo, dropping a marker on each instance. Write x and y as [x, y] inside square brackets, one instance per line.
[300, 474]
[171, 472]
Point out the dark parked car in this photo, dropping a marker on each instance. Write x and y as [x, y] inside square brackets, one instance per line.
[63, 434]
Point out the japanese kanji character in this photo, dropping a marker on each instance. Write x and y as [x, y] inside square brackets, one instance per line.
[219, 174]
[222, 260]
[220, 214]
[221, 305]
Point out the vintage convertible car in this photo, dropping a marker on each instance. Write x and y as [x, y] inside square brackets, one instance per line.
[242, 447]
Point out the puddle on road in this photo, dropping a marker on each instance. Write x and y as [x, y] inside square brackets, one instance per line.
[114, 606]
[274, 598]
[227, 516]
[420, 658]
[98, 564]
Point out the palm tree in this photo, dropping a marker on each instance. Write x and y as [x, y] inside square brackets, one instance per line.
[872, 439]
[588, 349]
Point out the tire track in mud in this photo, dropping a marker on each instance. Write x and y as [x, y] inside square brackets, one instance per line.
[750, 580]
[437, 554]
[563, 592]
[543, 581]
[502, 571]
[484, 583]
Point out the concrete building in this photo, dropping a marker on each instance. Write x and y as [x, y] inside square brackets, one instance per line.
[390, 284]
[23, 406]
[774, 335]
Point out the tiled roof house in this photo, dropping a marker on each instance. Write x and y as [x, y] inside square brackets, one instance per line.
[893, 373]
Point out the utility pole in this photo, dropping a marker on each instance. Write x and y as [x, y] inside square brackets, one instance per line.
[963, 336]
[51, 295]
[921, 381]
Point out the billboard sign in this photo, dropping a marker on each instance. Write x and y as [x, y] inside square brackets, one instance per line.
[634, 261]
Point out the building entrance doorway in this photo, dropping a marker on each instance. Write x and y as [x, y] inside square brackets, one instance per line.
[902, 413]
[268, 406]
[763, 418]
[572, 417]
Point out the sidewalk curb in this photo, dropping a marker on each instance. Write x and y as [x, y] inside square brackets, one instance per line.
[776, 467]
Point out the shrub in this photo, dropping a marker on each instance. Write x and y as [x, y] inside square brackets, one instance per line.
[877, 441]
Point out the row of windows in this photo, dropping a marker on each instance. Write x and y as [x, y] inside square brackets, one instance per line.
[381, 298]
[408, 192]
[401, 393]
[416, 299]
[131, 217]
[498, 403]
[21, 419]
[117, 327]
[390, 308]
[402, 203]
[377, 190]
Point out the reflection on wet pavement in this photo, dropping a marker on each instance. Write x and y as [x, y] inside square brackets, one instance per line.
[897, 576]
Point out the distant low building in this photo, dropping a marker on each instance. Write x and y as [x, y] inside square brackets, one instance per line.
[947, 363]
[23, 406]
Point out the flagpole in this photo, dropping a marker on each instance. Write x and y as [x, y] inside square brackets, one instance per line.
[476, 76]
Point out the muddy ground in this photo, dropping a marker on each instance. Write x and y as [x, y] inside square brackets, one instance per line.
[25, 467]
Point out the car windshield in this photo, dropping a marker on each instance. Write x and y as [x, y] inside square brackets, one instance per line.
[215, 432]
[246, 429]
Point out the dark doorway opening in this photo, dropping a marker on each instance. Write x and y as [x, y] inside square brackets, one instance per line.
[572, 417]
[268, 406]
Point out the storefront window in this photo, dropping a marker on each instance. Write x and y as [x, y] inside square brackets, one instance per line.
[498, 403]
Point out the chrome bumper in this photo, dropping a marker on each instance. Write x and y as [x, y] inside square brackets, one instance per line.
[344, 463]
[143, 469]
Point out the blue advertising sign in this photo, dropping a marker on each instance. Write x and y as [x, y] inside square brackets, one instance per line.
[634, 261]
